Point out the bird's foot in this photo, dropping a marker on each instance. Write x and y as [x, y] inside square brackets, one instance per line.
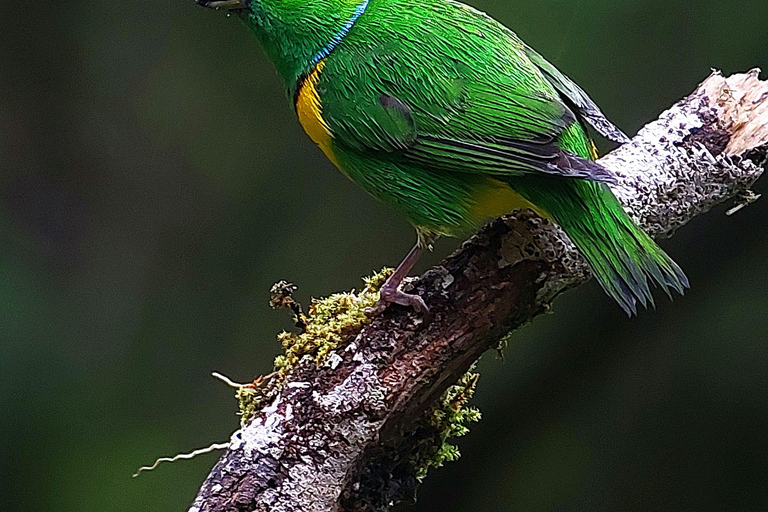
[393, 295]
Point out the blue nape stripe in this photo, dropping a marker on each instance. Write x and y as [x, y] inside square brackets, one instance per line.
[341, 34]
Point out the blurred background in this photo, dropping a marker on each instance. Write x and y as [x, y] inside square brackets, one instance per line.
[154, 184]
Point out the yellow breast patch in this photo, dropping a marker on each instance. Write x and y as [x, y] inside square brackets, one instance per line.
[310, 112]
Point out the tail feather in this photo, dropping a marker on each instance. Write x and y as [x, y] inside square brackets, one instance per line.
[624, 259]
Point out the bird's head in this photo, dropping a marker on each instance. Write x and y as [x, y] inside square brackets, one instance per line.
[292, 32]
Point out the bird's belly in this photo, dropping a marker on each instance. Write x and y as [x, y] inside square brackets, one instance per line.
[310, 112]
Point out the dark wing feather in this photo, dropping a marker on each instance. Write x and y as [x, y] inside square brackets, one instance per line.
[577, 98]
[504, 158]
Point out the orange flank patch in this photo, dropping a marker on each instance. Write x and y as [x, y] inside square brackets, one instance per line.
[310, 112]
[497, 199]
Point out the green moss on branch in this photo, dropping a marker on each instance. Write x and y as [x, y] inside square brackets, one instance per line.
[328, 322]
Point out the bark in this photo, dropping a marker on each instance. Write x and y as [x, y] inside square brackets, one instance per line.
[333, 439]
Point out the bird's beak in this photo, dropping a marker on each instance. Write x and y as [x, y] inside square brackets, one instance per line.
[229, 5]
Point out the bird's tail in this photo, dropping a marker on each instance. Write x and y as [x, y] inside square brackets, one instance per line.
[624, 259]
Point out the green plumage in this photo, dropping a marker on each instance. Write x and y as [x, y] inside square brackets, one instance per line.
[436, 109]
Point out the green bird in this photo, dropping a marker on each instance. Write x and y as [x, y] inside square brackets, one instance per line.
[443, 113]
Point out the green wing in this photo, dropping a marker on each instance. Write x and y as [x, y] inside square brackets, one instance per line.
[473, 106]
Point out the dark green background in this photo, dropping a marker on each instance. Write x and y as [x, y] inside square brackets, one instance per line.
[154, 184]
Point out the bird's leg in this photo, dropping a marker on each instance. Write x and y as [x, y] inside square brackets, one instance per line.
[390, 291]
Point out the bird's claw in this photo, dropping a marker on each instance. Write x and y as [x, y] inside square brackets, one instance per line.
[389, 296]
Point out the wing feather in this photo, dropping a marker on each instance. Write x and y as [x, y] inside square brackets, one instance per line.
[476, 101]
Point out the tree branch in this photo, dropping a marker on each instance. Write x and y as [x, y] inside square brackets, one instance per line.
[337, 437]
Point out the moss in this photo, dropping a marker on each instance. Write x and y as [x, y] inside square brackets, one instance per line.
[376, 280]
[251, 399]
[329, 321]
[392, 471]
[450, 418]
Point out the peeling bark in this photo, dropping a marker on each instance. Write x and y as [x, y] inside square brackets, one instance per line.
[336, 438]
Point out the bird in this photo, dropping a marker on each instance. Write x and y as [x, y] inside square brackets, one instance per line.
[443, 113]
